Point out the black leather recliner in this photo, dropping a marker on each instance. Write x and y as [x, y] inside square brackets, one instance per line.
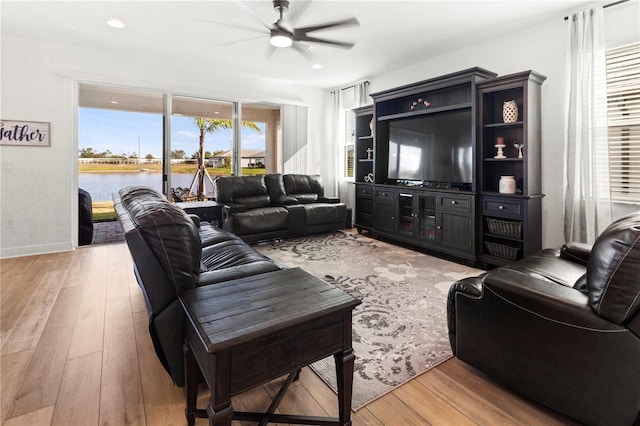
[321, 213]
[561, 326]
[272, 206]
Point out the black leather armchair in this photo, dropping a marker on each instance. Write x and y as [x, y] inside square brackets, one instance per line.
[561, 326]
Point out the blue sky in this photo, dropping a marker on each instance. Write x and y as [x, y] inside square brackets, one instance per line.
[118, 132]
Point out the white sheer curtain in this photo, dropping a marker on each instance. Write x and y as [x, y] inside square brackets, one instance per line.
[587, 204]
[342, 99]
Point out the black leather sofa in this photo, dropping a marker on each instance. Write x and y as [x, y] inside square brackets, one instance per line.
[173, 251]
[561, 326]
[277, 206]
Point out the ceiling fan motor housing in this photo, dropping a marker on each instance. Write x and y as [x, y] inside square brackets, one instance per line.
[281, 6]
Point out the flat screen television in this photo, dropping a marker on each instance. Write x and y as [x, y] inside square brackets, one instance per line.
[434, 148]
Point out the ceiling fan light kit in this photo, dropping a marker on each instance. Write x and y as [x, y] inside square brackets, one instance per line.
[280, 37]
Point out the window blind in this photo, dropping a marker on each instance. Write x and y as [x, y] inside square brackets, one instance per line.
[349, 142]
[623, 115]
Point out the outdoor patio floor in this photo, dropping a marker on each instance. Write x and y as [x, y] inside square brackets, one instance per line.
[107, 232]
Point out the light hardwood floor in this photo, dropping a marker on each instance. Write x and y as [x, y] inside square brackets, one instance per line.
[76, 351]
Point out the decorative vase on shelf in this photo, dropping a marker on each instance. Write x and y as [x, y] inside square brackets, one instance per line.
[510, 112]
[507, 185]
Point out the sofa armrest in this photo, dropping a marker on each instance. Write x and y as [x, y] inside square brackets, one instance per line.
[470, 286]
[195, 218]
[328, 200]
[576, 252]
[548, 300]
[234, 208]
[283, 200]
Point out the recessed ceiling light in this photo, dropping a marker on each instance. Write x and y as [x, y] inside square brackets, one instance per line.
[115, 23]
[316, 66]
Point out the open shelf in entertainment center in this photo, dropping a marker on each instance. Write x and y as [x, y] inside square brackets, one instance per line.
[504, 125]
[429, 110]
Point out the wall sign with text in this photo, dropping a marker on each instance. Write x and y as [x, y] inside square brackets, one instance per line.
[24, 133]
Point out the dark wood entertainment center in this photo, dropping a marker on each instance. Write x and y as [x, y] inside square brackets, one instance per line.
[467, 218]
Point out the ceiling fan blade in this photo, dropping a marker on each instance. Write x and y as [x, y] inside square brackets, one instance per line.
[304, 52]
[229, 43]
[258, 17]
[239, 27]
[298, 9]
[269, 52]
[342, 44]
[351, 22]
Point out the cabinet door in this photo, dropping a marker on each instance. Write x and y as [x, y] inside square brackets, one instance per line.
[456, 230]
[426, 212]
[384, 217]
[385, 210]
[406, 215]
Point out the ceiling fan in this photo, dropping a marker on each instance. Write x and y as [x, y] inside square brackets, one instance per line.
[283, 34]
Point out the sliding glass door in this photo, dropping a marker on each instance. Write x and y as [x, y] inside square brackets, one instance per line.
[120, 142]
[178, 145]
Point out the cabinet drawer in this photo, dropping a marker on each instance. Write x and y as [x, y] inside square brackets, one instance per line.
[453, 202]
[502, 208]
[364, 191]
[384, 195]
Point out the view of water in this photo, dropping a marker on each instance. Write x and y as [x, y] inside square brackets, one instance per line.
[102, 185]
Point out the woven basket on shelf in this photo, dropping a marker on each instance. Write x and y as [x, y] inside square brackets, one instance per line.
[501, 250]
[504, 228]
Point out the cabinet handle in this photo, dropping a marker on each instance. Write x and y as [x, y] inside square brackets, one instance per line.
[501, 207]
[454, 202]
[438, 227]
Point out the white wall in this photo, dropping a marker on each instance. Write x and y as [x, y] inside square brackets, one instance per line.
[38, 186]
[541, 48]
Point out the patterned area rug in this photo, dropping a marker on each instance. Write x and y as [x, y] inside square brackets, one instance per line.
[400, 329]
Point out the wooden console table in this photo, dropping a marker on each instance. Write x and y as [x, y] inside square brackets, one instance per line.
[249, 331]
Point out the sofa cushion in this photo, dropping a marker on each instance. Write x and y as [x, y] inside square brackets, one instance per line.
[231, 188]
[254, 202]
[275, 186]
[305, 188]
[323, 213]
[259, 221]
[174, 240]
[613, 270]
[228, 254]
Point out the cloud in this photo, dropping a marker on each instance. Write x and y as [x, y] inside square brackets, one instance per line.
[188, 134]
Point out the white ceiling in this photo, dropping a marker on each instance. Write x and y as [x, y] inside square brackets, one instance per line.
[392, 34]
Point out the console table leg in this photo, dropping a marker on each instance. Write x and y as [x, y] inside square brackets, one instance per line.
[344, 373]
[191, 384]
[219, 410]
[220, 417]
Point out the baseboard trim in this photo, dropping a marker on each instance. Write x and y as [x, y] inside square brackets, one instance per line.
[7, 253]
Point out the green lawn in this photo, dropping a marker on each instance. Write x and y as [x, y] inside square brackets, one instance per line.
[175, 168]
[103, 210]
